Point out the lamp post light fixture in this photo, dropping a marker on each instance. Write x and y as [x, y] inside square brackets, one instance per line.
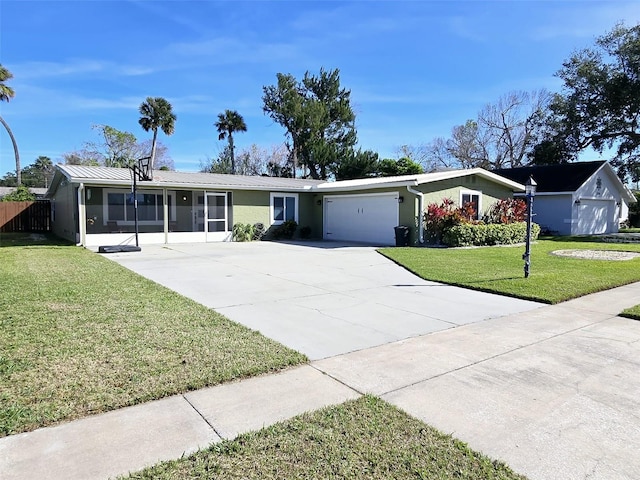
[530, 192]
[141, 171]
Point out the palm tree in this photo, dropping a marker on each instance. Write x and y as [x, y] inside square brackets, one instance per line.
[44, 166]
[6, 94]
[156, 114]
[228, 123]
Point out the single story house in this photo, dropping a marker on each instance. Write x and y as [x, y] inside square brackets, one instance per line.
[94, 206]
[581, 198]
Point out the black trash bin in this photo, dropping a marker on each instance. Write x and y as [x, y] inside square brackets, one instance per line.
[402, 236]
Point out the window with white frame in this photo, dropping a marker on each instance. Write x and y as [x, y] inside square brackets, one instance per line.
[284, 207]
[474, 198]
[119, 206]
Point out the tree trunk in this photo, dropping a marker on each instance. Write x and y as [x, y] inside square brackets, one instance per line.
[153, 153]
[15, 151]
[295, 161]
[233, 158]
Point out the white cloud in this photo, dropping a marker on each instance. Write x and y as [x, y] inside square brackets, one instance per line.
[57, 69]
[45, 102]
[359, 18]
[76, 68]
[224, 50]
[584, 20]
[466, 28]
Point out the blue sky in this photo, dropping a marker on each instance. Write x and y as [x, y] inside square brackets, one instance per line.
[415, 68]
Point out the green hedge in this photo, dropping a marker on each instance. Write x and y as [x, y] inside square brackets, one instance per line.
[465, 235]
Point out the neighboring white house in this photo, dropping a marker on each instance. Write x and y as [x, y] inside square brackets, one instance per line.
[581, 198]
[38, 192]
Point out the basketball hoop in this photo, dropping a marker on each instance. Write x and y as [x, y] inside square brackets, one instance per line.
[141, 171]
[144, 169]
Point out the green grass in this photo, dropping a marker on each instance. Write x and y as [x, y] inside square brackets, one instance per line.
[630, 230]
[24, 239]
[362, 439]
[633, 312]
[553, 279]
[80, 334]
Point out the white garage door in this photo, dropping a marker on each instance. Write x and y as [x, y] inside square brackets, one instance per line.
[595, 216]
[361, 218]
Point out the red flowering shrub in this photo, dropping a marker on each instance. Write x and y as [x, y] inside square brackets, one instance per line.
[438, 219]
[456, 226]
[507, 210]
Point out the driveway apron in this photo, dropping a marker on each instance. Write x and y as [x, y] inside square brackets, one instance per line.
[322, 299]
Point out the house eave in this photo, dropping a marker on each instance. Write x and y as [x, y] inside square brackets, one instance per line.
[414, 180]
[543, 194]
[184, 186]
[335, 187]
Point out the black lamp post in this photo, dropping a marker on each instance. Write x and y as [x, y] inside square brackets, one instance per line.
[140, 172]
[530, 192]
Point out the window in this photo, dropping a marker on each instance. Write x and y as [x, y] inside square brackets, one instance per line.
[284, 207]
[475, 199]
[119, 206]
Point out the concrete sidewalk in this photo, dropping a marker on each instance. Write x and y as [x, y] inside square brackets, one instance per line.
[553, 392]
[129, 439]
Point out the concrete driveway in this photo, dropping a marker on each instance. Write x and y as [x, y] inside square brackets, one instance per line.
[322, 299]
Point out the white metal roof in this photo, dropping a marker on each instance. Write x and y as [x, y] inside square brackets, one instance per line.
[165, 178]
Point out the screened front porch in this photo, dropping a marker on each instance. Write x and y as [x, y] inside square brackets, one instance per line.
[164, 216]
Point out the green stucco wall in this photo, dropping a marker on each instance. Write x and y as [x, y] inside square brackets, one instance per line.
[65, 212]
[254, 207]
[491, 191]
[310, 214]
[251, 207]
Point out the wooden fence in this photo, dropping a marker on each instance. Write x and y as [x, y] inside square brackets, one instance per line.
[25, 216]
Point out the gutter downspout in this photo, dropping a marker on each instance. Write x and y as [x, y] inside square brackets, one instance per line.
[82, 221]
[420, 196]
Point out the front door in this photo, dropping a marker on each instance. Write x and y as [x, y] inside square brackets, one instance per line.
[198, 212]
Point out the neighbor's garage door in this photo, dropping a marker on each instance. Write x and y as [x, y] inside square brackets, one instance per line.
[361, 218]
[595, 216]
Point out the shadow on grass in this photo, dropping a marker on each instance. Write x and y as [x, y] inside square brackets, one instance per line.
[495, 280]
[442, 283]
[29, 239]
[574, 238]
[621, 237]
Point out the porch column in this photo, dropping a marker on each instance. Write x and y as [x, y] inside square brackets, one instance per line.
[82, 216]
[165, 214]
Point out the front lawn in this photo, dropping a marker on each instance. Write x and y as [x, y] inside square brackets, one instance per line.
[553, 279]
[362, 439]
[80, 335]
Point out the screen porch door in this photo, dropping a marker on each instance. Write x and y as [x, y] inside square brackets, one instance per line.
[211, 215]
